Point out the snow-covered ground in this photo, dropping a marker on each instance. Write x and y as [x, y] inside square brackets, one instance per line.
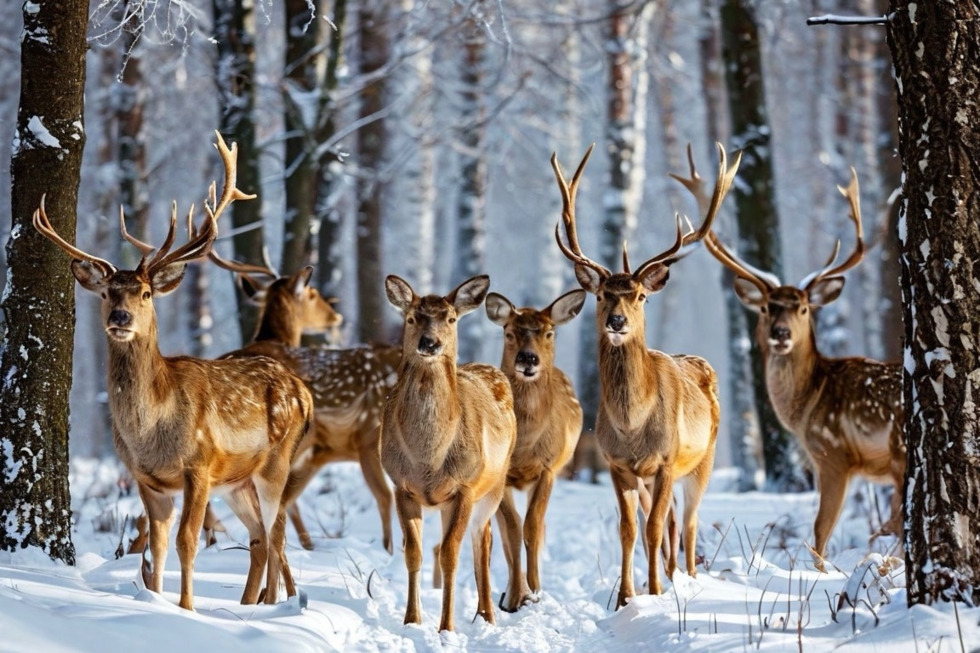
[756, 588]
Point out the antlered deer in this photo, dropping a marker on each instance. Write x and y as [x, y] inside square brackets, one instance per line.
[845, 412]
[446, 439]
[658, 414]
[188, 426]
[549, 421]
[349, 385]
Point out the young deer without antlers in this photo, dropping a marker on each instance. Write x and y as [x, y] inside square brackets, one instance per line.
[658, 414]
[349, 385]
[446, 439]
[192, 426]
[549, 422]
[845, 412]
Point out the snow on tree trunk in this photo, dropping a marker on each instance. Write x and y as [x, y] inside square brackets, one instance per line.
[758, 224]
[934, 49]
[374, 52]
[234, 35]
[38, 301]
[327, 214]
[470, 257]
[301, 81]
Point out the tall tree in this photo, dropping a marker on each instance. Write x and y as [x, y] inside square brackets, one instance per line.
[934, 48]
[304, 65]
[470, 256]
[755, 210]
[234, 35]
[36, 356]
[374, 54]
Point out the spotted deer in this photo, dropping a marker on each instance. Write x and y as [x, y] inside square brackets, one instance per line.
[658, 414]
[846, 413]
[549, 421]
[192, 427]
[349, 385]
[446, 438]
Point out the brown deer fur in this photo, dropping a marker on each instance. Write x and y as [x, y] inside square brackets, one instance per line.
[446, 439]
[549, 421]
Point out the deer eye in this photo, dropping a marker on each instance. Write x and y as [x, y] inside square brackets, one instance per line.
[803, 311]
[103, 295]
[409, 320]
[549, 335]
[146, 295]
[509, 336]
[763, 309]
[452, 320]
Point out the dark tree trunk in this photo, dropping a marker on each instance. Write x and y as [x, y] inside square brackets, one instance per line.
[758, 224]
[234, 34]
[36, 356]
[935, 48]
[327, 214]
[301, 81]
[370, 147]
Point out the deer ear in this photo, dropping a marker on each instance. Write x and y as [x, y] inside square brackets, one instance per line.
[299, 281]
[254, 291]
[165, 280]
[749, 294]
[469, 294]
[566, 307]
[400, 294]
[655, 278]
[588, 278]
[91, 277]
[499, 309]
[826, 290]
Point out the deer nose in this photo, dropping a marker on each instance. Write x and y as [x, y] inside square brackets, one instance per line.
[428, 345]
[616, 322]
[780, 333]
[120, 318]
[527, 358]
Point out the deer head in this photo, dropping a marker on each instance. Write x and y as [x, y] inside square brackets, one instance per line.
[620, 296]
[529, 334]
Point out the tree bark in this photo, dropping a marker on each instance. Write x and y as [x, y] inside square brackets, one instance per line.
[935, 47]
[234, 34]
[758, 224]
[36, 356]
[374, 52]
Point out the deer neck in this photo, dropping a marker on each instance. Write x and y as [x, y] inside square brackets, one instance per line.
[794, 380]
[279, 324]
[533, 398]
[139, 380]
[431, 403]
[628, 383]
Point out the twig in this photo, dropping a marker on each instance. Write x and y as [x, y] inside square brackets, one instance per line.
[831, 19]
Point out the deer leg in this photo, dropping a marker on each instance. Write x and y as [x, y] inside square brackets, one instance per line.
[278, 541]
[269, 488]
[196, 492]
[482, 543]
[410, 518]
[534, 526]
[303, 470]
[625, 486]
[160, 515]
[456, 517]
[695, 484]
[832, 486]
[671, 543]
[212, 526]
[663, 496]
[509, 520]
[374, 475]
[244, 502]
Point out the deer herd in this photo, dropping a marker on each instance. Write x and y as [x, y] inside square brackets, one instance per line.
[256, 425]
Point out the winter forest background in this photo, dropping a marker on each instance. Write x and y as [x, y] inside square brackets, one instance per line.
[430, 126]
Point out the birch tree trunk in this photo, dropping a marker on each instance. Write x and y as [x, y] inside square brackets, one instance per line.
[755, 209]
[934, 49]
[38, 301]
[470, 258]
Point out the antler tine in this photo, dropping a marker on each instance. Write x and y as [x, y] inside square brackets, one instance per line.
[241, 268]
[764, 281]
[230, 192]
[726, 175]
[573, 251]
[145, 248]
[853, 195]
[43, 225]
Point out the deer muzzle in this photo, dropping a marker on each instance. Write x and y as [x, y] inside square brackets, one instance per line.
[429, 346]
